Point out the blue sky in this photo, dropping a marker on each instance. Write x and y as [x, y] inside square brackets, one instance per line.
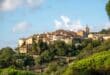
[22, 18]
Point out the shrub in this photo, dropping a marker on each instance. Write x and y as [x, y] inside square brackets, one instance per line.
[10, 71]
[98, 63]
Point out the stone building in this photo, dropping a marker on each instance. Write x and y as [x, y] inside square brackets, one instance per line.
[97, 36]
[62, 35]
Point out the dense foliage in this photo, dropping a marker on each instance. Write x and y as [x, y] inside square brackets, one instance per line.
[6, 55]
[11, 71]
[92, 58]
[108, 8]
[97, 64]
[9, 58]
[105, 31]
[53, 58]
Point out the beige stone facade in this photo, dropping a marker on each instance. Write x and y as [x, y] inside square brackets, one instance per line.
[80, 33]
[97, 36]
[23, 50]
[29, 40]
[93, 36]
[66, 36]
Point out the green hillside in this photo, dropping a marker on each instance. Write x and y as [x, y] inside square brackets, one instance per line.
[97, 64]
[11, 71]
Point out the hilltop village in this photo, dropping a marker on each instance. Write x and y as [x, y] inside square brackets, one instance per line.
[67, 36]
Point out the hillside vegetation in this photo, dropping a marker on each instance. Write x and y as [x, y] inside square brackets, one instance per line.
[91, 57]
[11, 71]
[96, 64]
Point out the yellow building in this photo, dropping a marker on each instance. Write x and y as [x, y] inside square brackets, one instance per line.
[22, 46]
[29, 40]
[81, 33]
[21, 42]
[94, 36]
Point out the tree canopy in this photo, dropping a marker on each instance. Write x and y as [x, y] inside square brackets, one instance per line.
[108, 8]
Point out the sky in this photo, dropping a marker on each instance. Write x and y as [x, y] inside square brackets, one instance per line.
[23, 18]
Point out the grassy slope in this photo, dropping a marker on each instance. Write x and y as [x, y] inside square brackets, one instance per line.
[98, 62]
[11, 71]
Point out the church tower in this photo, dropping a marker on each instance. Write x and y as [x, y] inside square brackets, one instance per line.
[87, 30]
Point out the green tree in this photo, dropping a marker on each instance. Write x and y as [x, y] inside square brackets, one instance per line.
[86, 51]
[85, 42]
[34, 48]
[55, 68]
[61, 48]
[23, 61]
[47, 56]
[42, 46]
[96, 43]
[108, 8]
[6, 55]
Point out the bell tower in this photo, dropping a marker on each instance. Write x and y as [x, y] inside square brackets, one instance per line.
[87, 30]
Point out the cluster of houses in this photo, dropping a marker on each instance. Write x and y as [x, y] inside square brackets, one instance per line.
[62, 35]
[98, 36]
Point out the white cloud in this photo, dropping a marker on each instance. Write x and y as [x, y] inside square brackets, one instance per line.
[21, 27]
[8, 5]
[67, 24]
